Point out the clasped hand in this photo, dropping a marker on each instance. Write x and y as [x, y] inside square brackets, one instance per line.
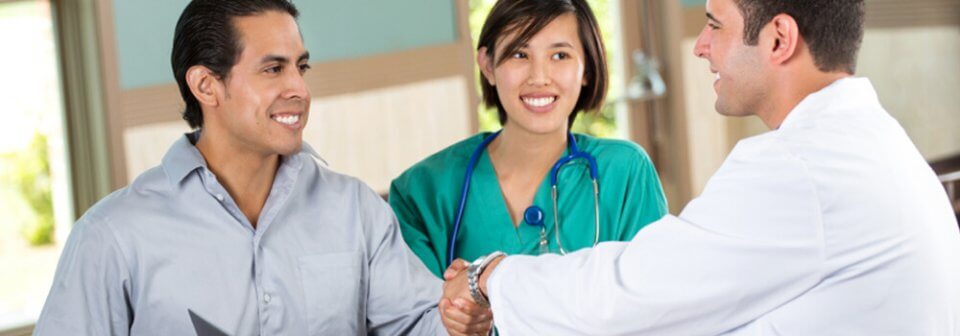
[461, 315]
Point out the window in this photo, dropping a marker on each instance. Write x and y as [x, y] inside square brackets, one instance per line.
[34, 190]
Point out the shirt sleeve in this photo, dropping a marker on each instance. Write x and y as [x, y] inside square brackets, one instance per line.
[752, 242]
[414, 230]
[403, 293]
[90, 292]
[644, 202]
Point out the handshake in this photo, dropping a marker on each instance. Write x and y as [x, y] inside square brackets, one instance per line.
[466, 312]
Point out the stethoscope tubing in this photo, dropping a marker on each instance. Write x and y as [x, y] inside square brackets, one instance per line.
[554, 172]
[463, 194]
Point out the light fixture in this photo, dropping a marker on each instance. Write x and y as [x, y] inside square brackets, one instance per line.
[646, 82]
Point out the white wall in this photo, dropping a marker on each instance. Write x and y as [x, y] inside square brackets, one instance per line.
[707, 132]
[916, 72]
[373, 135]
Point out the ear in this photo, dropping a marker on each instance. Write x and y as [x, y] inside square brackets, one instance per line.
[785, 36]
[204, 85]
[485, 63]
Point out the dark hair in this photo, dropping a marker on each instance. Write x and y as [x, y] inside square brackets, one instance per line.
[832, 28]
[205, 35]
[528, 17]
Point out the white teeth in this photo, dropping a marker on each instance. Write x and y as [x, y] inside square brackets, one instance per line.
[539, 102]
[288, 120]
[718, 75]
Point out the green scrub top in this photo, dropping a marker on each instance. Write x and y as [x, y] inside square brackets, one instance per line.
[426, 196]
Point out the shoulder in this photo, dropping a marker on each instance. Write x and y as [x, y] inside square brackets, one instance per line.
[764, 168]
[317, 176]
[607, 151]
[767, 152]
[441, 165]
[762, 181]
[147, 191]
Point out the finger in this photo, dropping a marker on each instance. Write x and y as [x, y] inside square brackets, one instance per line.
[469, 307]
[466, 323]
[453, 321]
[456, 326]
[443, 305]
[450, 273]
[455, 268]
[469, 313]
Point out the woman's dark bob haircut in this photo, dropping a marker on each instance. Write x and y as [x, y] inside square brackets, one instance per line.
[527, 18]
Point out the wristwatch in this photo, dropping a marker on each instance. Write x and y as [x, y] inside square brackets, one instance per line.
[473, 277]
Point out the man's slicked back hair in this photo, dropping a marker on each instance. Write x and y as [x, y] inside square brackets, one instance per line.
[205, 35]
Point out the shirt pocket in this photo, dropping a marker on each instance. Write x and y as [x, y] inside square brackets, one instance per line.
[333, 289]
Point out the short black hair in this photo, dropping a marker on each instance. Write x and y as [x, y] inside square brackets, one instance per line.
[528, 17]
[832, 28]
[205, 35]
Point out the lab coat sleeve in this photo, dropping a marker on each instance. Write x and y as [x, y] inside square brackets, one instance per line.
[644, 202]
[90, 291]
[403, 294]
[752, 242]
[414, 230]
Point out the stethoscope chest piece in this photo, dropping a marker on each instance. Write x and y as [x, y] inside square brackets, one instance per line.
[533, 215]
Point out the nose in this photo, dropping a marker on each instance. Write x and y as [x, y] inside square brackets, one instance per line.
[539, 73]
[701, 48]
[296, 86]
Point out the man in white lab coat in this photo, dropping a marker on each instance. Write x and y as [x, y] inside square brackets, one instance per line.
[829, 224]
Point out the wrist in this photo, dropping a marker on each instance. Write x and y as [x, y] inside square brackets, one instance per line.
[474, 272]
[485, 274]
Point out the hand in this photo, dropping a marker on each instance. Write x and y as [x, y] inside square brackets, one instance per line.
[459, 313]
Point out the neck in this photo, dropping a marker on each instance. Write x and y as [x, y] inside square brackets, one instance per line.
[246, 174]
[521, 159]
[517, 150]
[795, 86]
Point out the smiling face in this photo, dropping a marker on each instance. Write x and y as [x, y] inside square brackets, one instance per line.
[266, 103]
[740, 84]
[539, 84]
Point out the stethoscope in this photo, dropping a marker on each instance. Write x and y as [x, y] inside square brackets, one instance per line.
[533, 215]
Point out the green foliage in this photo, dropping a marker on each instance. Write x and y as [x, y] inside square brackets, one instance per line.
[29, 174]
[601, 123]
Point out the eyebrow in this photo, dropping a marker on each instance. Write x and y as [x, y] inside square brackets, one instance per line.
[283, 60]
[711, 17]
[553, 46]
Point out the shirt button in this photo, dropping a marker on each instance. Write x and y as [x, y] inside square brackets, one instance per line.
[219, 197]
[266, 298]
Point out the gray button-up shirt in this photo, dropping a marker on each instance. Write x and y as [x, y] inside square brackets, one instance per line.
[173, 250]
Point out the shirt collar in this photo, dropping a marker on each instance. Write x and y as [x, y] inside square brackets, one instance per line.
[307, 150]
[848, 93]
[183, 158]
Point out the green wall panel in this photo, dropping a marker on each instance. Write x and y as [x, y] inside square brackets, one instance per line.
[332, 30]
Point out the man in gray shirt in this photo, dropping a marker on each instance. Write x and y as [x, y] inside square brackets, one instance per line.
[241, 230]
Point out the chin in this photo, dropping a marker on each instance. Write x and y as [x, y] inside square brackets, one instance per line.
[545, 127]
[289, 149]
[724, 109]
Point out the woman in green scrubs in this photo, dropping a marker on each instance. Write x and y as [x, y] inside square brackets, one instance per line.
[539, 74]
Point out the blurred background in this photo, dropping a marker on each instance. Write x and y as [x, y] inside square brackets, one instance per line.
[88, 100]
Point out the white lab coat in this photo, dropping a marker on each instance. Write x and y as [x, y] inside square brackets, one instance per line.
[831, 225]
